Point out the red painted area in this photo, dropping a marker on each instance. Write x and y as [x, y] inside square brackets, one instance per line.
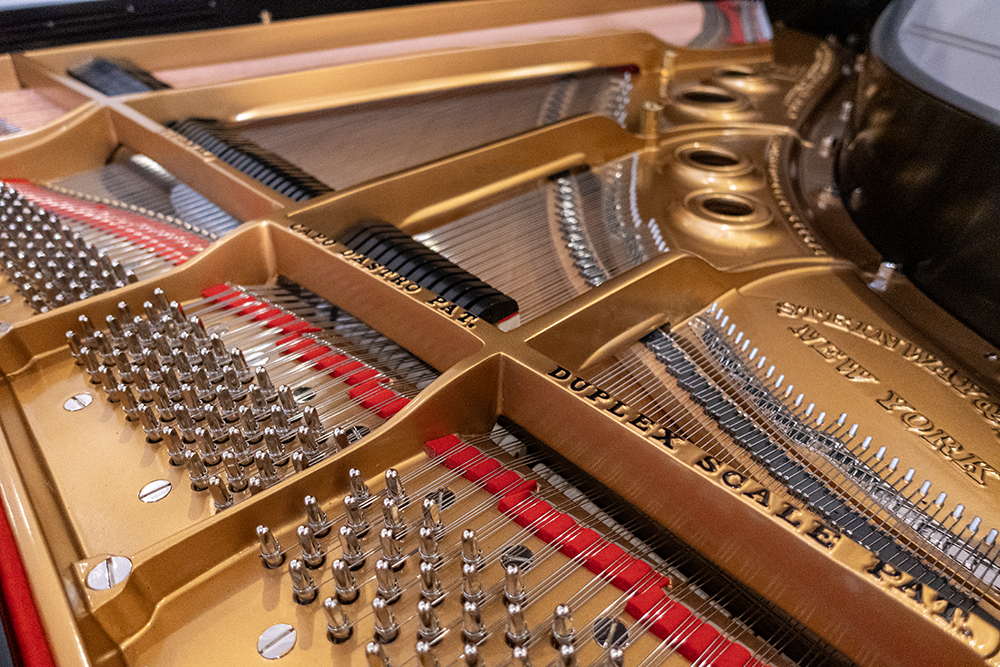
[26, 626]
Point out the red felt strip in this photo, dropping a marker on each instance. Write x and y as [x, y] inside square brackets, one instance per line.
[213, 291]
[361, 376]
[278, 321]
[480, 470]
[392, 407]
[439, 446]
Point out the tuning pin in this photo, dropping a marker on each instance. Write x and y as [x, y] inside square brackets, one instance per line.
[91, 364]
[197, 470]
[563, 631]
[375, 653]
[303, 586]
[176, 314]
[191, 400]
[343, 578]
[520, 657]
[432, 516]
[355, 516]
[216, 426]
[234, 472]
[264, 381]
[392, 548]
[567, 655]
[388, 584]
[170, 380]
[134, 347]
[227, 405]
[275, 447]
[197, 328]
[430, 584]
[129, 404]
[153, 313]
[108, 382]
[359, 489]
[616, 657]
[150, 424]
[429, 628]
[311, 419]
[338, 624]
[250, 429]
[142, 384]
[386, 629]
[175, 448]
[86, 326]
[429, 547]
[280, 421]
[151, 360]
[255, 486]
[353, 554]
[162, 403]
[471, 553]
[517, 629]
[221, 495]
[340, 439]
[161, 344]
[243, 371]
[219, 352]
[471, 657]
[185, 424]
[392, 516]
[265, 468]
[299, 461]
[394, 487]
[124, 312]
[472, 585]
[105, 352]
[123, 365]
[425, 655]
[209, 450]
[75, 344]
[473, 629]
[239, 446]
[143, 330]
[307, 441]
[513, 588]
[232, 381]
[261, 410]
[115, 331]
[286, 399]
[203, 384]
[312, 552]
[270, 550]
[182, 365]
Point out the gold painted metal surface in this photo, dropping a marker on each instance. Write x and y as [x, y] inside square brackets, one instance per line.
[716, 220]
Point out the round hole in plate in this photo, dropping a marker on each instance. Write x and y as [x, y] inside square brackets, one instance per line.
[735, 211]
[727, 207]
[303, 394]
[707, 96]
[735, 72]
[444, 496]
[519, 555]
[610, 632]
[712, 157]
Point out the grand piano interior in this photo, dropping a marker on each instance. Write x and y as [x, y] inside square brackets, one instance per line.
[500, 332]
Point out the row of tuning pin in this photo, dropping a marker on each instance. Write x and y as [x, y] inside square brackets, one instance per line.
[186, 389]
[392, 560]
[49, 263]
